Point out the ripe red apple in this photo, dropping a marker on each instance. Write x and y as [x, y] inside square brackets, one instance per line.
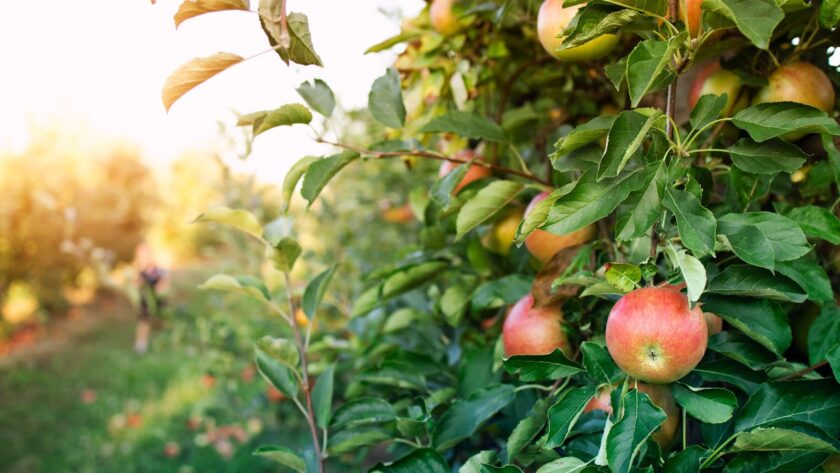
[500, 237]
[660, 395]
[799, 82]
[171, 449]
[443, 18]
[530, 330]
[654, 336]
[474, 173]
[714, 80]
[713, 323]
[274, 395]
[553, 19]
[544, 245]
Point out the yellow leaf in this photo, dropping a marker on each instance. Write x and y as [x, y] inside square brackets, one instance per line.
[193, 73]
[193, 8]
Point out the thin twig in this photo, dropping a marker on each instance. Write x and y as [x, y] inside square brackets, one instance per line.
[307, 392]
[805, 371]
[436, 156]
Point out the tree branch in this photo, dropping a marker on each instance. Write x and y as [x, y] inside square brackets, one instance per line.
[436, 156]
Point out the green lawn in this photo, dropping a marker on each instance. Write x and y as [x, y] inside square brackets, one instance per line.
[144, 402]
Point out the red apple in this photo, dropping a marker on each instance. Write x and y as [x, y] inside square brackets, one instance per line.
[716, 81]
[660, 395]
[544, 245]
[402, 214]
[553, 19]
[443, 18]
[171, 449]
[799, 82]
[654, 336]
[474, 173]
[530, 330]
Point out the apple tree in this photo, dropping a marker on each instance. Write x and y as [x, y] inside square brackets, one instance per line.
[624, 262]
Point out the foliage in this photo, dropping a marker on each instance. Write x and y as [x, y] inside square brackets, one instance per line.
[704, 199]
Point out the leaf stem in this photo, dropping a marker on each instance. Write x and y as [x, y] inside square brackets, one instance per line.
[805, 371]
[436, 156]
[533, 386]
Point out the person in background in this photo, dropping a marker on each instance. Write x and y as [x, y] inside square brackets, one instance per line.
[151, 279]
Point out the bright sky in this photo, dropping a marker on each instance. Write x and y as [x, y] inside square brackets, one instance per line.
[102, 63]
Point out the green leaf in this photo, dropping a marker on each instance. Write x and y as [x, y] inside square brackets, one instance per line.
[653, 7]
[245, 284]
[824, 333]
[593, 21]
[464, 417]
[466, 124]
[485, 204]
[281, 350]
[315, 291]
[538, 214]
[362, 411]
[295, 44]
[692, 270]
[441, 191]
[599, 364]
[646, 66]
[284, 254]
[590, 201]
[628, 435]
[696, 224]
[319, 173]
[773, 439]
[772, 120]
[289, 114]
[810, 276]
[829, 13]
[500, 469]
[410, 277]
[322, 396]
[564, 465]
[293, 176]
[755, 19]
[583, 135]
[707, 109]
[728, 371]
[709, 405]
[393, 41]
[812, 402]
[624, 141]
[318, 95]
[500, 292]
[624, 276]
[455, 301]
[564, 414]
[542, 367]
[739, 347]
[643, 206]
[617, 73]
[527, 429]
[473, 464]
[817, 222]
[423, 460]
[769, 157]
[687, 461]
[776, 462]
[283, 456]
[385, 100]
[276, 374]
[349, 440]
[833, 358]
[763, 238]
[236, 218]
[760, 319]
[743, 280]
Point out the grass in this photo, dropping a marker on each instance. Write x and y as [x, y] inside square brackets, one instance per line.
[188, 386]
